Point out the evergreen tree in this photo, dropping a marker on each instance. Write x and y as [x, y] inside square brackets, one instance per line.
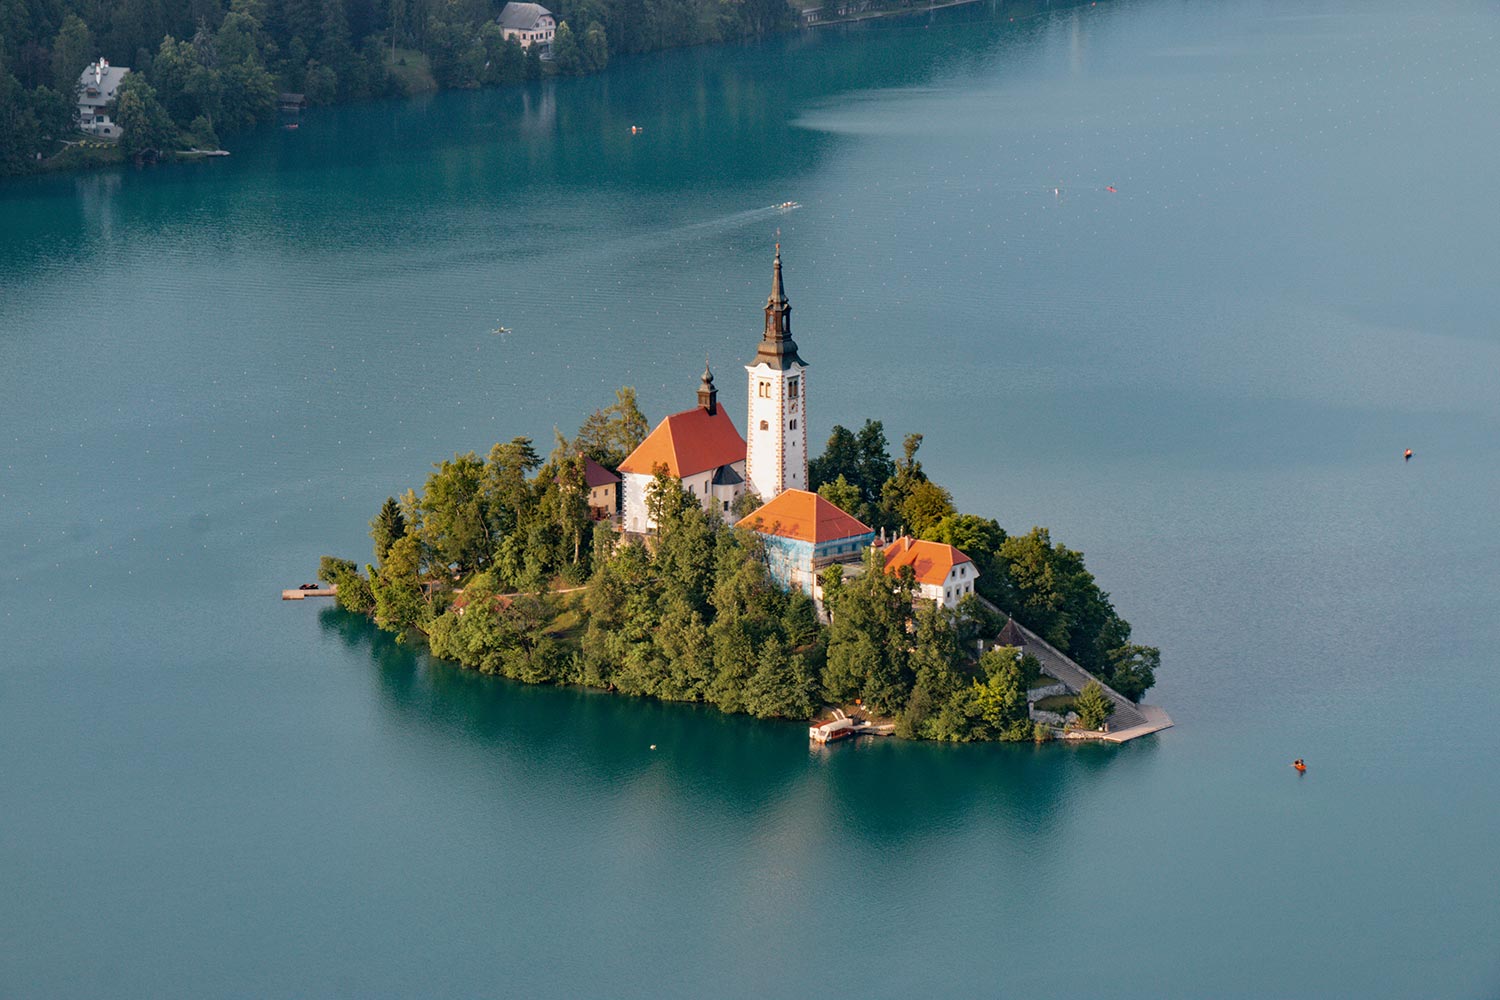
[387, 527]
[72, 49]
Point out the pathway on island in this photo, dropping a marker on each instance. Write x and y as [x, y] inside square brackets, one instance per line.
[1128, 720]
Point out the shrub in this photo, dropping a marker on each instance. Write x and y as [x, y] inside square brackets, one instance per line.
[1094, 706]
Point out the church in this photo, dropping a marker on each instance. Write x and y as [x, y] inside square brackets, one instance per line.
[702, 447]
[804, 533]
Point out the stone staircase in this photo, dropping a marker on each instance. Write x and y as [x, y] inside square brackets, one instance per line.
[1055, 664]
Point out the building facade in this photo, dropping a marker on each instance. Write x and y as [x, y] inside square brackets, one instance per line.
[945, 575]
[804, 534]
[776, 434]
[699, 447]
[529, 23]
[603, 487]
[97, 87]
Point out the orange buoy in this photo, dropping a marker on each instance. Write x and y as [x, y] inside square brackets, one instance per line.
[1408, 454]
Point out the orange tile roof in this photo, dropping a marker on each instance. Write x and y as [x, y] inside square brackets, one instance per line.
[931, 561]
[688, 443]
[804, 516]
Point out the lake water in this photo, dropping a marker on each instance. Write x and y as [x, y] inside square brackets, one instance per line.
[213, 374]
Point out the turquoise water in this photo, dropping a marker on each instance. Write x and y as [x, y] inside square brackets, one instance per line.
[1205, 379]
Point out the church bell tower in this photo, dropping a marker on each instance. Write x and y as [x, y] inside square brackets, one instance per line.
[776, 434]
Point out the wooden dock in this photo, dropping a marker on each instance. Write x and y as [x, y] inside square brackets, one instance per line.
[298, 594]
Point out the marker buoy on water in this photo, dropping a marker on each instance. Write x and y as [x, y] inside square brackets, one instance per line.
[1408, 454]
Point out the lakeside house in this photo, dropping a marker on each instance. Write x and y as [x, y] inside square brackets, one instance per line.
[97, 87]
[700, 447]
[804, 534]
[529, 23]
[945, 575]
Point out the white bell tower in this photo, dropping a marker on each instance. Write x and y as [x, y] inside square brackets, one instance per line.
[776, 435]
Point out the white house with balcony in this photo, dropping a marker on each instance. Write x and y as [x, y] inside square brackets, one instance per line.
[529, 23]
[97, 87]
[944, 575]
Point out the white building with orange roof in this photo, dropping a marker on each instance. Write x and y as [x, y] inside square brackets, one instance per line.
[700, 447]
[804, 534]
[944, 574]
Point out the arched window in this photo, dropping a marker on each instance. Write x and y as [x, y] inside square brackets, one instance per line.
[764, 426]
[794, 425]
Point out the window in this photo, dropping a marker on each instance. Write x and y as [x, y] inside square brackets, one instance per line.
[794, 425]
[765, 389]
[791, 388]
[726, 505]
[764, 426]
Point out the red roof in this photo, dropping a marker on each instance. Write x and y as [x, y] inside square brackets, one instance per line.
[595, 474]
[806, 517]
[931, 561]
[688, 443]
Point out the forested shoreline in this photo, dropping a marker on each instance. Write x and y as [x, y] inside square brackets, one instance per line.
[201, 69]
[497, 566]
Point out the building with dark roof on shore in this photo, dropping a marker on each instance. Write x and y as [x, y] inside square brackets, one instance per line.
[529, 23]
[97, 88]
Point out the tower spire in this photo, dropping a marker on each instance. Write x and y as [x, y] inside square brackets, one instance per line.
[777, 348]
[708, 396]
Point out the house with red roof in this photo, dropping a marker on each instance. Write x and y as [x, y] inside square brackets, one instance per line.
[944, 574]
[804, 534]
[699, 447]
[603, 486]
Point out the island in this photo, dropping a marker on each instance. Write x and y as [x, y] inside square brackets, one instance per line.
[690, 563]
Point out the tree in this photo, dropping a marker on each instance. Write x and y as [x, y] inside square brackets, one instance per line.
[397, 589]
[72, 50]
[608, 435]
[145, 126]
[595, 48]
[782, 686]
[566, 55]
[56, 116]
[925, 506]
[566, 503]
[454, 526]
[862, 460]
[386, 527]
[666, 500]
[1133, 669]
[1093, 705]
[841, 493]
[508, 496]
[840, 459]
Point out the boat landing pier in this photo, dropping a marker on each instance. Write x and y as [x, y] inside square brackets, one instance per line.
[300, 593]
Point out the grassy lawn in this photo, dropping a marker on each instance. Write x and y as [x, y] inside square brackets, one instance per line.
[571, 621]
[89, 153]
[1062, 704]
[413, 70]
